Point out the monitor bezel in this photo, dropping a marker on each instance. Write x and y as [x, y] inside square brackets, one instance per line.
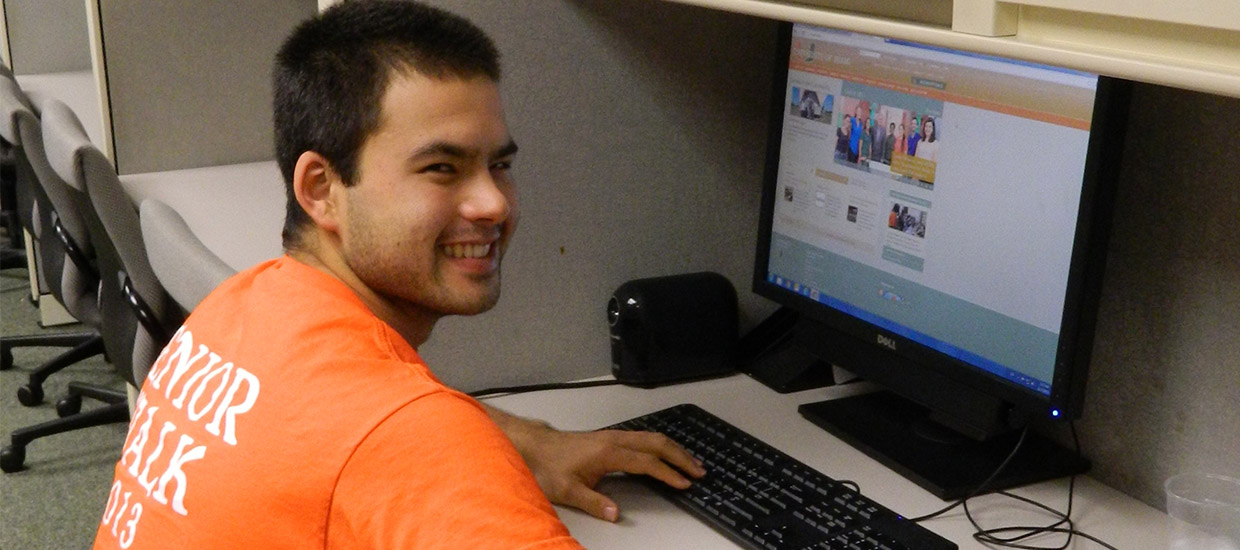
[1088, 260]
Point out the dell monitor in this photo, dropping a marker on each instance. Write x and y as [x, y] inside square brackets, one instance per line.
[935, 222]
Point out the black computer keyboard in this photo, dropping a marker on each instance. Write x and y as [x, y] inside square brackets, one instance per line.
[766, 500]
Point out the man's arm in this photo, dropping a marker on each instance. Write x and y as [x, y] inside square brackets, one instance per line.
[567, 465]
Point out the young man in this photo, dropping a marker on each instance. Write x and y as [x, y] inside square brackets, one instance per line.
[292, 410]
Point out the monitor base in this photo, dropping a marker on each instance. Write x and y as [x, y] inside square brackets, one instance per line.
[896, 432]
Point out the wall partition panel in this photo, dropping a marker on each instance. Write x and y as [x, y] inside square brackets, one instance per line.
[47, 36]
[190, 82]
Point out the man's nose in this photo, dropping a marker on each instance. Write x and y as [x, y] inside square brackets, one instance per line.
[486, 199]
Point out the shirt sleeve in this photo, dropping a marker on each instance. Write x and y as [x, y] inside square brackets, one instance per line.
[438, 473]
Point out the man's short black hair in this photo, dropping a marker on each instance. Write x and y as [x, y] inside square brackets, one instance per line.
[331, 74]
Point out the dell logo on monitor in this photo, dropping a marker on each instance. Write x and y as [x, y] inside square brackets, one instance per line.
[889, 343]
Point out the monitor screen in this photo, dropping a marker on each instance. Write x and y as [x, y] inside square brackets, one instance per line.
[945, 209]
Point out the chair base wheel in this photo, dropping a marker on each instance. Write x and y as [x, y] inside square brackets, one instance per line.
[69, 406]
[30, 395]
[12, 459]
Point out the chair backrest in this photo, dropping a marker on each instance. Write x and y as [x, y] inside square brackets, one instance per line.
[186, 267]
[54, 191]
[15, 105]
[138, 315]
[13, 102]
[66, 253]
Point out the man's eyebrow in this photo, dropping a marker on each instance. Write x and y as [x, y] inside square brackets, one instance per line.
[440, 148]
[509, 149]
[458, 151]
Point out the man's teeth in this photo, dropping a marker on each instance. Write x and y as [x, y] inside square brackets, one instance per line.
[466, 250]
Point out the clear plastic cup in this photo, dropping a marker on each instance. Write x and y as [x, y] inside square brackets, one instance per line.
[1205, 512]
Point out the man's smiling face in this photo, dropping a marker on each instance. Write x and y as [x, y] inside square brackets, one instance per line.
[432, 207]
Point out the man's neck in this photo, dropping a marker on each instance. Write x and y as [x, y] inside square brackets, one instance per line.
[413, 328]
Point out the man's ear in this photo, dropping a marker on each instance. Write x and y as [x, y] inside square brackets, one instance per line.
[313, 183]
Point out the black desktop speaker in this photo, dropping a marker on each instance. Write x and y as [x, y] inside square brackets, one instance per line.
[673, 328]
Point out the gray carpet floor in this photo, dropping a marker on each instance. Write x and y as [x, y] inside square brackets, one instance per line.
[57, 501]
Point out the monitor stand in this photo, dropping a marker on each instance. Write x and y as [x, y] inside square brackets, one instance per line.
[770, 355]
[899, 434]
[789, 368]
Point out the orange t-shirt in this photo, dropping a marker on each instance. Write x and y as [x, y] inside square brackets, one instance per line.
[284, 414]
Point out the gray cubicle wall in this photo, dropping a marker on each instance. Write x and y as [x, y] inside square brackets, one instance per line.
[189, 82]
[641, 127]
[47, 36]
[1165, 381]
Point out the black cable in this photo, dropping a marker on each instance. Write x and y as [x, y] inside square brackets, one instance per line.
[1032, 531]
[989, 536]
[1063, 525]
[982, 486]
[856, 487]
[542, 387]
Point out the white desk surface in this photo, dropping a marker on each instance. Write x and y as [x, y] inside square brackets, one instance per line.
[236, 210]
[76, 89]
[651, 523]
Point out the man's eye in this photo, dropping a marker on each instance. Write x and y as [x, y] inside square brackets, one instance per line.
[503, 165]
[441, 168]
